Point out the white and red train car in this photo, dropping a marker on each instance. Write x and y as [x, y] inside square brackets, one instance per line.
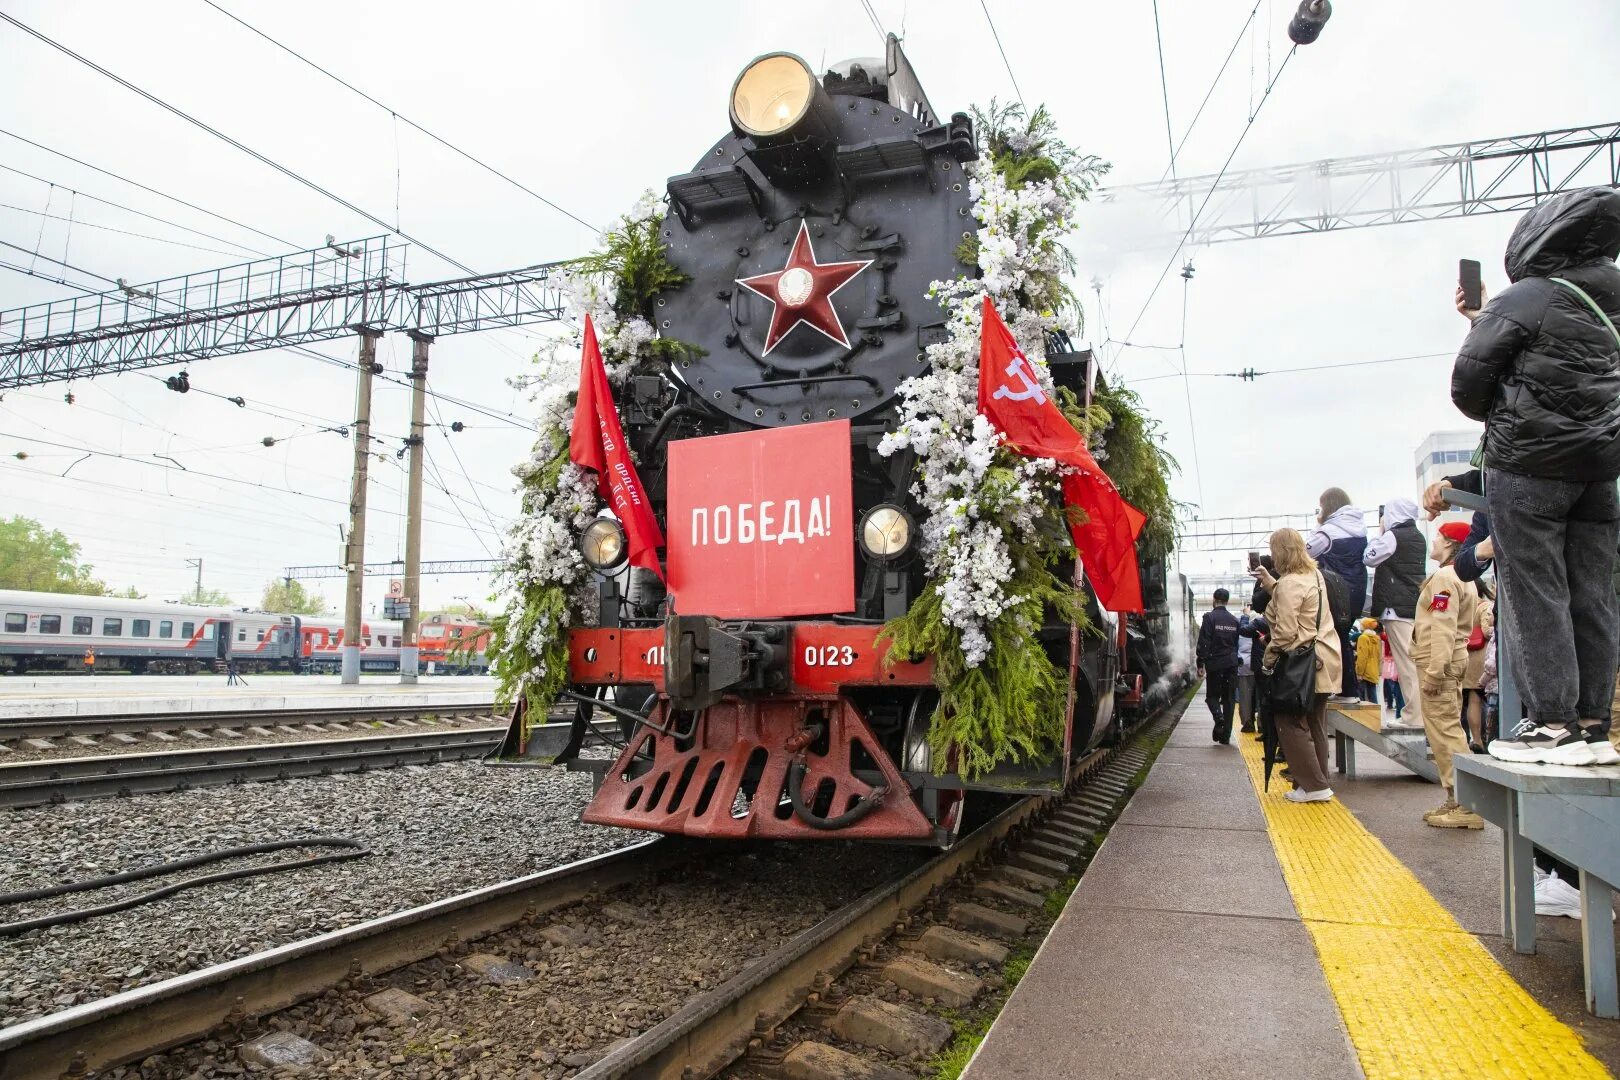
[57, 631]
[61, 631]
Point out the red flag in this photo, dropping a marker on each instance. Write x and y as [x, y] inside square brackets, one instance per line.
[597, 443]
[1011, 398]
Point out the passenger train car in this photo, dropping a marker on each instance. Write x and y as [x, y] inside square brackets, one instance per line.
[60, 631]
[55, 631]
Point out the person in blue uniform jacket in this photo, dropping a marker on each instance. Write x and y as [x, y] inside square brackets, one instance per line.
[1218, 663]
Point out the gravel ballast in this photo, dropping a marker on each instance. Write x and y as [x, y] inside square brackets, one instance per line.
[434, 832]
[567, 988]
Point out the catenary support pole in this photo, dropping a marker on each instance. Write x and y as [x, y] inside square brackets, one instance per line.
[354, 554]
[413, 509]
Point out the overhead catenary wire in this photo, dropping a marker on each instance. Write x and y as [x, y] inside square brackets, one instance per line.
[509, 418]
[1164, 89]
[1251, 375]
[1214, 185]
[400, 118]
[177, 468]
[1213, 83]
[877, 24]
[1004, 61]
[439, 420]
[121, 232]
[152, 190]
[1186, 385]
[291, 174]
[132, 210]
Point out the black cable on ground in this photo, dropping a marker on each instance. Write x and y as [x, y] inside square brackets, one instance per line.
[357, 850]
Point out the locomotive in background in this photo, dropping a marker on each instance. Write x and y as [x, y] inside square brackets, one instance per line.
[758, 703]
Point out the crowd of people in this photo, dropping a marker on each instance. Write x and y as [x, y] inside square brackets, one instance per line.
[1337, 615]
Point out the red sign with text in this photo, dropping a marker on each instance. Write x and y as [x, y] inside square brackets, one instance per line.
[761, 524]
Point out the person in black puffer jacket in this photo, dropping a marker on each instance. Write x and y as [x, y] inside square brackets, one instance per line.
[1541, 368]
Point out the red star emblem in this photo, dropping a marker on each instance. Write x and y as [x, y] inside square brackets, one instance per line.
[801, 292]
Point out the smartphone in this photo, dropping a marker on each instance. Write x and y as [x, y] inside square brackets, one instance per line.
[1468, 278]
[1254, 561]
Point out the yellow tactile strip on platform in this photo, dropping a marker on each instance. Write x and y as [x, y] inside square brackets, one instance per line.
[1420, 996]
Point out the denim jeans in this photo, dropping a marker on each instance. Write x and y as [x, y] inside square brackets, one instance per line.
[1555, 544]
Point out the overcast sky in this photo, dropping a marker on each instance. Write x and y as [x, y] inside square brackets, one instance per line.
[588, 104]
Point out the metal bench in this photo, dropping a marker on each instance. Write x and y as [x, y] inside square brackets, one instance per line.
[1404, 746]
[1570, 812]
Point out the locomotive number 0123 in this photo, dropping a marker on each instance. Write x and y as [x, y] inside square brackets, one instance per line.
[828, 656]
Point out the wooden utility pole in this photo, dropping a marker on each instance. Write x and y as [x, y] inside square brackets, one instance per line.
[354, 552]
[413, 508]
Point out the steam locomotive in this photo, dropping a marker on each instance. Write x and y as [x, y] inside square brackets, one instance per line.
[759, 702]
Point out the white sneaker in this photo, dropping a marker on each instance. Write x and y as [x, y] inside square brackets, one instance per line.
[1301, 795]
[1343, 699]
[1554, 896]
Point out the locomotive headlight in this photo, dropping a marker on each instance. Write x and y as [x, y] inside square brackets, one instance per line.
[603, 544]
[885, 531]
[772, 94]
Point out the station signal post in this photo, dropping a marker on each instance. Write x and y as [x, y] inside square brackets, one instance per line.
[412, 614]
[354, 555]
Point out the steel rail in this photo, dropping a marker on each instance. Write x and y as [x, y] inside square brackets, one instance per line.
[37, 783]
[131, 1025]
[51, 727]
[714, 1030]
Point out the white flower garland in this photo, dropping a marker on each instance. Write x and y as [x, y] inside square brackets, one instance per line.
[970, 511]
[541, 548]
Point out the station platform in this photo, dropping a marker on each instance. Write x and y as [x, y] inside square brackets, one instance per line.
[1223, 932]
[109, 695]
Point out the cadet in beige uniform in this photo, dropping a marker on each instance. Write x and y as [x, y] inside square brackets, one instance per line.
[1446, 610]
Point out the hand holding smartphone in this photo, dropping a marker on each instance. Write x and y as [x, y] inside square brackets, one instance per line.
[1470, 285]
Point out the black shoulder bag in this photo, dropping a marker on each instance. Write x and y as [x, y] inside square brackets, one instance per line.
[1292, 681]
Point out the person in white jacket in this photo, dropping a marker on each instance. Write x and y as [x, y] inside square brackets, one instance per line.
[1398, 558]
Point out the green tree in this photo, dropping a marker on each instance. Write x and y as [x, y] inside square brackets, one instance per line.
[130, 593]
[290, 597]
[42, 560]
[208, 598]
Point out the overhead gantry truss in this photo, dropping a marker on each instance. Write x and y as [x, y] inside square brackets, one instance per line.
[1492, 176]
[309, 296]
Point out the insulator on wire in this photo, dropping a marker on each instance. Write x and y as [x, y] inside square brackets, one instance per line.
[1306, 25]
[180, 384]
[457, 425]
[240, 403]
[268, 440]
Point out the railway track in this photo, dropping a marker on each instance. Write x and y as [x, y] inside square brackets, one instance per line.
[37, 783]
[706, 1035]
[19, 729]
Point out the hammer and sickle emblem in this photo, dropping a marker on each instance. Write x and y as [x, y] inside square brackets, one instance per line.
[1018, 369]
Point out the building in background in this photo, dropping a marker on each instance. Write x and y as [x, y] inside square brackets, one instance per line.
[1443, 454]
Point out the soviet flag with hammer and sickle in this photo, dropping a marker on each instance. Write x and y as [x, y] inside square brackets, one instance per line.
[1011, 398]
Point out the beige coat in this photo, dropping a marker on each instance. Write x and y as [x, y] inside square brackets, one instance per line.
[1440, 631]
[1298, 612]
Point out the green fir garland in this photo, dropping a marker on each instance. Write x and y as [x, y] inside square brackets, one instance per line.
[617, 285]
[1010, 707]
